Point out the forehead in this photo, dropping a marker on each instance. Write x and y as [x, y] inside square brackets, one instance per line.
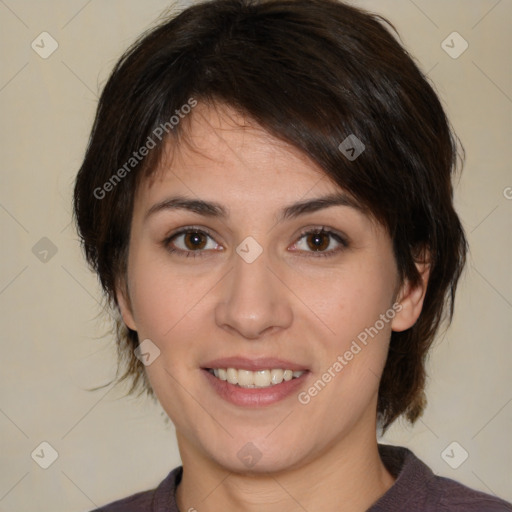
[223, 157]
[220, 148]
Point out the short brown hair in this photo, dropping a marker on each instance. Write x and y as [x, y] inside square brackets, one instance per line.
[311, 73]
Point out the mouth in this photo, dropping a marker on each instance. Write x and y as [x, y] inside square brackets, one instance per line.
[254, 382]
[248, 379]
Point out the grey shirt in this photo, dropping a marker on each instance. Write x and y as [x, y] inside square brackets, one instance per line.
[416, 489]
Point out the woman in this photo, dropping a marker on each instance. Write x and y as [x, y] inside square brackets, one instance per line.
[267, 200]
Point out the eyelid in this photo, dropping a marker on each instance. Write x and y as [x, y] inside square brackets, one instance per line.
[183, 231]
[333, 233]
[339, 237]
[326, 231]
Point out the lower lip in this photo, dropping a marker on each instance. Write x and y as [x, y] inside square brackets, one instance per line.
[254, 397]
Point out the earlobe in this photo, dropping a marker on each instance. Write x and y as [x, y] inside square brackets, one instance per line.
[411, 300]
[125, 308]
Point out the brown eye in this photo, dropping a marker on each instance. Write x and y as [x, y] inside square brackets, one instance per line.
[190, 242]
[194, 240]
[318, 241]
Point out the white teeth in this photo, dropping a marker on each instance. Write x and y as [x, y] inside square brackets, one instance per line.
[232, 376]
[276, 376]
[245, 377]
[262, 378]
[256, 379]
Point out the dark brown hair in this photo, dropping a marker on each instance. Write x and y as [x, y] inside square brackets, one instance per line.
[311, 73]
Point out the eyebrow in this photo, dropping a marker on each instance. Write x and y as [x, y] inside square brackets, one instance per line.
[216, 210]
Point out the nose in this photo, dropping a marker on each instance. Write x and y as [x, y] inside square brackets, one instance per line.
[253, 300]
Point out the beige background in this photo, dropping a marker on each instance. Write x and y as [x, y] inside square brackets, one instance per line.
[54, 345]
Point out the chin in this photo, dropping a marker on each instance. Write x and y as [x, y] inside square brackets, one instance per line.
[263, 466]
[258, 457]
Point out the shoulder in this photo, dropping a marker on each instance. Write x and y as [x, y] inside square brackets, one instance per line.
[142, 501]
[454, 496]
[159, 499]
[417, 488]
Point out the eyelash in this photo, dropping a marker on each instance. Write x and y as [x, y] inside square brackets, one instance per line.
[200, 253]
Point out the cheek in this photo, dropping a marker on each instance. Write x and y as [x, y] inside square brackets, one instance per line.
[357, 347]
[352, 300]
[162, 298]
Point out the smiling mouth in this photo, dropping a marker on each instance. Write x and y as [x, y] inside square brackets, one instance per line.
[264, 378]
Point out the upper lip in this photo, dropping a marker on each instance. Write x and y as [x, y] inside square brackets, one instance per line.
[260, 363]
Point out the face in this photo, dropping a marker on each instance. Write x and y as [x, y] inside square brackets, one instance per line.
[243, 284]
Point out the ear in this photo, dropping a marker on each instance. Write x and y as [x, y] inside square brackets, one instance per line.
[411, 298]
[124, 303]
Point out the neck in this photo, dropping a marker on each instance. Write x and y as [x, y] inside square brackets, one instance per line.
[347, 475]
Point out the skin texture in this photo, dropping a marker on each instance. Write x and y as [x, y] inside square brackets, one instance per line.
[290, 303]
